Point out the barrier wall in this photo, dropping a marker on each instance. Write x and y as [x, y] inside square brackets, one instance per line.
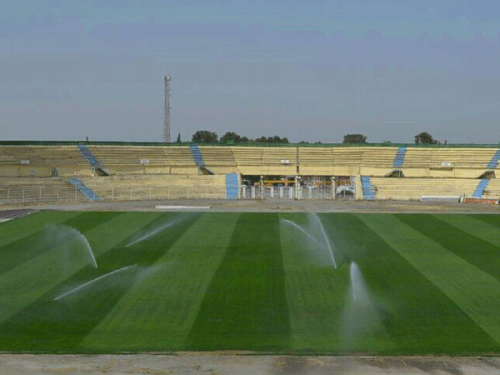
[144, 187]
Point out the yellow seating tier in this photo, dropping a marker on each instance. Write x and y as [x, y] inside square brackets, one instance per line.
[415, 188]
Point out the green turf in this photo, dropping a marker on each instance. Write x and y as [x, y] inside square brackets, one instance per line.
[245, 304]
[250, 281]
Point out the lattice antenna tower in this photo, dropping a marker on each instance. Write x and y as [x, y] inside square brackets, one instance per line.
[166, 124]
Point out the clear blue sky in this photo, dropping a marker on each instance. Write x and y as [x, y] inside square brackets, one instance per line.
[309, 70]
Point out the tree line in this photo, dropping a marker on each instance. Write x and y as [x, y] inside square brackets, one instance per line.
[423, 138]
[206, 136]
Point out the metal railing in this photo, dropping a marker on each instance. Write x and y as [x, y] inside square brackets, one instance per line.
[159, 192]
[302, 193]
[33, 195]
[24, 195]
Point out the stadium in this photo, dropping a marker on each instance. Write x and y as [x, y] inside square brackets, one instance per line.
[44, 172]
[249, 238]
[113, 248]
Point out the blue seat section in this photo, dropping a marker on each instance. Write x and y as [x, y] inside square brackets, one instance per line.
[88, 155]
[89, 193]
[366, 184]
[494, 160]
[197, 156]
[478, 193]
[399, 158]
[232, 186]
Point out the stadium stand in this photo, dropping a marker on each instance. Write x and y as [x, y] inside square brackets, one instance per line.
[492, 190]
[266, 160]
[316, 161]
[146, 159]
[344, 161]
[149, 171]
[97, 167]
[42, 161]
[218, 159]
[139, 187]
[447, 162]
[415, 188]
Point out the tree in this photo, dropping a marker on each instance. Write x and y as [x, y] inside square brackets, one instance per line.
[204, 136]
[354, 138]
[425, 138]
[178, 138]
[230, 136]
[275, 139]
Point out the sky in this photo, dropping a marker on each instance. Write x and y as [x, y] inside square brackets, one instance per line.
[307, 70]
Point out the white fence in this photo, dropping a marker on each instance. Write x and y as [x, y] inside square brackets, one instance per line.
[27, 195]
[290, 192]
[32, 195]
[160, 192]
[20, 195]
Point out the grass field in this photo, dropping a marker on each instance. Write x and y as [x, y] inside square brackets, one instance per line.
[93, 282]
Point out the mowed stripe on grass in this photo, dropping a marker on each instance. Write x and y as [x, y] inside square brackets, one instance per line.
[55, 234]
[474, 226]
[245, 306]
[17, 229]
[158, 312]
[60, 319]
[29, 281]
[78, 313]
[316, 292]
[418, 317]
[490, 219]
[475, 250]
[473, 291]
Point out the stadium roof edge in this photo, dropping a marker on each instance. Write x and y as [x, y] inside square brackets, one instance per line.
[253, 144]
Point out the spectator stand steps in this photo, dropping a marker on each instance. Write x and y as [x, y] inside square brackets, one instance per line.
[368, 191]
[481, 187]
[98, 167]
[494, 160]
[89, 193]
[399, 158]
[232, 186]
[198, 159]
